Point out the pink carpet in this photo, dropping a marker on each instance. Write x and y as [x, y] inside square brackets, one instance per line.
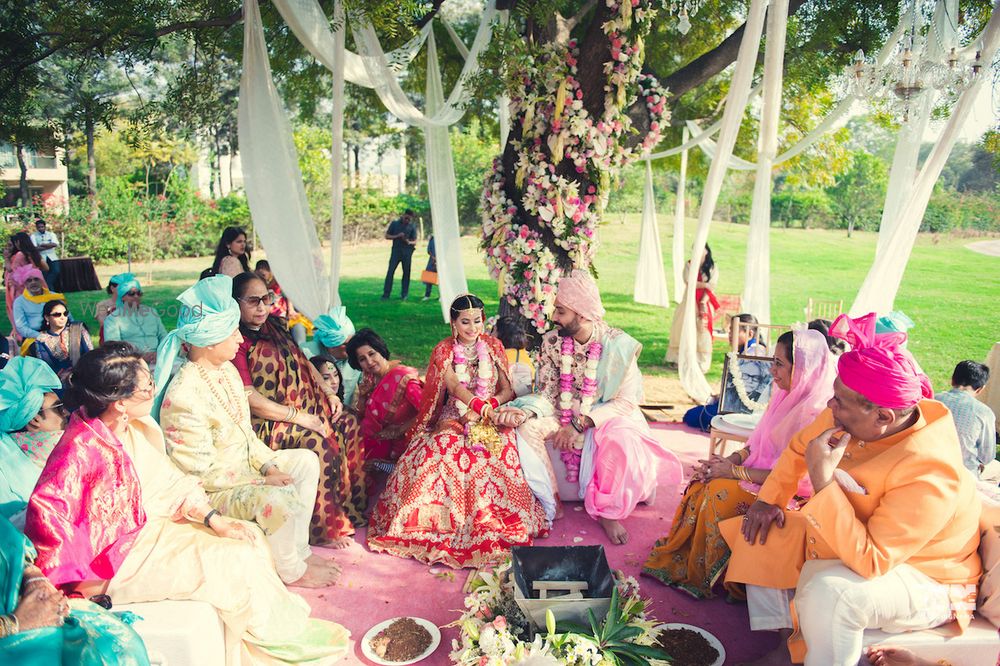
[377, 587]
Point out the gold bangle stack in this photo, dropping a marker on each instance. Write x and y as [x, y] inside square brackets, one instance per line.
[9, 625]
[743, 454]
[292, 413]
[741, 473]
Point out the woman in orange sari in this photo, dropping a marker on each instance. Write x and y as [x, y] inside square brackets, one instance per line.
[294, 409]
[458, 495]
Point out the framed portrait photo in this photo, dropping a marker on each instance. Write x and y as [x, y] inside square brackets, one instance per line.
[752, 374]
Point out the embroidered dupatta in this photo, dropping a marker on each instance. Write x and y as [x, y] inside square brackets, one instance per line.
[434, 397]
[390, 391]
[86, 510]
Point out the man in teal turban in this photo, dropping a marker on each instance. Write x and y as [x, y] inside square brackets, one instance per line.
[133, 322]
[332, 331]
[27, 401]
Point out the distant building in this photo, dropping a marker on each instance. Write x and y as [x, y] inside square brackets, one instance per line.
[46, 176]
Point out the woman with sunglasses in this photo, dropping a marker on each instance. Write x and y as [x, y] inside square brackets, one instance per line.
[293, 408]
[112, 515]
[61, 342]
[133, 322]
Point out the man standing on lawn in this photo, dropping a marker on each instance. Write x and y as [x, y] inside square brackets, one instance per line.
[403, 234]
[46, 242]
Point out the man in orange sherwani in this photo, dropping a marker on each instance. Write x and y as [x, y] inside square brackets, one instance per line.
[890, 538]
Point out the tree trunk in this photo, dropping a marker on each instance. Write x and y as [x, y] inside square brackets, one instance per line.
[357, 167]
[23, 181]
[88, 128]
[850, 227]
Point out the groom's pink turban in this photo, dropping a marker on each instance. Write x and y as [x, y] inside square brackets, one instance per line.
[579, 293]
[878, 367]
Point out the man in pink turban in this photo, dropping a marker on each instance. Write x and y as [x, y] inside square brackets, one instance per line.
[27, 309]
[889, 539]
[586, 408]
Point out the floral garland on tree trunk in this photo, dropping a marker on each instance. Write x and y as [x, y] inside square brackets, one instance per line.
[564, 160]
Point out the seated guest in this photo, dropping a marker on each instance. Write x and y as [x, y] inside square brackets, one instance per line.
[39, 625]
[388, 398]
[107, 306]
[331, 335]
[511, 334]
[8, 349]
[458, 497]
[892, 530]
[693, 555]
[297, 322]
[588, 393]
[837, 346]
[27, 405]
[975, 422]
[294, 409]
[137, 529]
[60, 343]
[327, 368]
[28, 306]
[135, 323]
[206, 421]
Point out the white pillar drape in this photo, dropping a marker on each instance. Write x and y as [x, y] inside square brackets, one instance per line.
[650, 279]
[757, 280]
[739, 90]
[879, 289]
[337, 155]
[679, 213]
[273, 182]
[441, 190]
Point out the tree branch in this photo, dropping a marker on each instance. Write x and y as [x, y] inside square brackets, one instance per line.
[709, 64]
[219, 22]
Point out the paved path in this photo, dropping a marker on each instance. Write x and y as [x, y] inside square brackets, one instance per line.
[990, 247]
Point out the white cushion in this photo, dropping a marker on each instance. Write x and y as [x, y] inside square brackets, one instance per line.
[977, 646]
[179, 633]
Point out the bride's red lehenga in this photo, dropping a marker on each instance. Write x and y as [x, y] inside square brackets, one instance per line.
[451, 501]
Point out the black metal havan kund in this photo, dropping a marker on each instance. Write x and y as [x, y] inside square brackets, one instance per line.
[558, 563]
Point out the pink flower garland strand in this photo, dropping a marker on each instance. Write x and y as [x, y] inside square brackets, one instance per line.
[587, 392]
[483, 372]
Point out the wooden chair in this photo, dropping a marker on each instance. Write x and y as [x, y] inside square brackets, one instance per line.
[730, 305]
[718, 439]
[829, 310]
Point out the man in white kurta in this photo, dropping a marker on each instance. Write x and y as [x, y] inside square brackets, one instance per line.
[587, 401]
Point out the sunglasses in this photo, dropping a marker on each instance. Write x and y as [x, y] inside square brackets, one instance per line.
[56, 407]
[134, 293]
[59, 314]
[254, 301]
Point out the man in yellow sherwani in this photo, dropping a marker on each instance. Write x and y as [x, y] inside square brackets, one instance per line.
[889, 539]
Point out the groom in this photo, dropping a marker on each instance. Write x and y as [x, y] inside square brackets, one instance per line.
[588, 393]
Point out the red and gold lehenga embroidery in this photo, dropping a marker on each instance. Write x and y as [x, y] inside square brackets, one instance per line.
[450, 501]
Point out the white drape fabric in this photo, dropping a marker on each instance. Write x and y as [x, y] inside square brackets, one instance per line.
[441, 190]
[274, 189]
[691, 376]
[337, 155]
[757, 276]
[650, 278]
[881, 285]
[679, 216]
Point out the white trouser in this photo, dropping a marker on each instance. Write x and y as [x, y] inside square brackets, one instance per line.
[290, 542]
[835, 605]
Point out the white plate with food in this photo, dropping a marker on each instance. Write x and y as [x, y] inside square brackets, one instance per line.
[709, 638]
[379, 648]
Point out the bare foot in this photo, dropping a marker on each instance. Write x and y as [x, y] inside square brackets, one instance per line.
[322, 563]
[882, 655]
[778, 656]
[316, 577]
[616, 531]
[340, 542]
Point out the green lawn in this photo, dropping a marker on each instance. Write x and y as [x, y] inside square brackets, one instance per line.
[952, 293]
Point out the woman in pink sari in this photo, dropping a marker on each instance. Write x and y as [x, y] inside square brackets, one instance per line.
[694, 554]
[387, 399]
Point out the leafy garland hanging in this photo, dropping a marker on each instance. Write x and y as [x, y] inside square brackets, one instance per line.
[555, 126]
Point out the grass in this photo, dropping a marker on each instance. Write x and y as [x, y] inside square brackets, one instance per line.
[952, 293]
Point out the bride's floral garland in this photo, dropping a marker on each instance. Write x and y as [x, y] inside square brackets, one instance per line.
[494, 632]
[484, 371]
[556, 127]
[741, 388]
[588, 392]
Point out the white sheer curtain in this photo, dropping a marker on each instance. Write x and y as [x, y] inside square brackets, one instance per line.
[650, 279]
[881, 285]
[679, 213]
[757, 279]
[274, 189]
[337, 155]
[739, 91]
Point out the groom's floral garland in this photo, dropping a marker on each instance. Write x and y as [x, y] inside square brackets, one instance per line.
[494, 632]
[741, 388]
[549, 102]
[588, 392]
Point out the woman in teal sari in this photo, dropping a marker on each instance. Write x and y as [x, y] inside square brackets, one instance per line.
[40, 627]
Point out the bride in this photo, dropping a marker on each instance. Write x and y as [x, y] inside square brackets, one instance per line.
[457, 496]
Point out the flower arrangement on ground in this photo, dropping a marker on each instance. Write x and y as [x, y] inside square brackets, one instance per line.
[494, 631]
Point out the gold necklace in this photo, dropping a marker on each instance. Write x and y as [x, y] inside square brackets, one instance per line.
[229, 404]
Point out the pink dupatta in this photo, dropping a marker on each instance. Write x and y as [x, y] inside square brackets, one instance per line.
[86, 510]
[813, 373]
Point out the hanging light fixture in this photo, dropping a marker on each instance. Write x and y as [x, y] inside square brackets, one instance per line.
[684, 10]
